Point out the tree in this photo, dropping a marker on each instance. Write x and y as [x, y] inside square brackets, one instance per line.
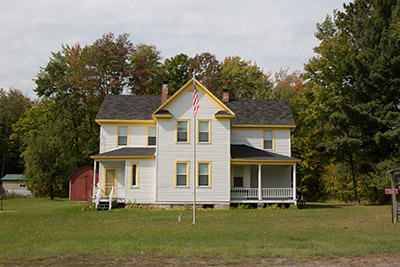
[358, 63]
[176, 71]
[147, 70]
[13, 104]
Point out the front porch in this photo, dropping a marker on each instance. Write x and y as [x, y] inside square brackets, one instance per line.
[267, 195]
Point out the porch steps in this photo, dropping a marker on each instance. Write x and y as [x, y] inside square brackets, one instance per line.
[104, 204]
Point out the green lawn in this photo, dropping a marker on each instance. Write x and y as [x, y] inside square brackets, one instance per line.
[45, 228]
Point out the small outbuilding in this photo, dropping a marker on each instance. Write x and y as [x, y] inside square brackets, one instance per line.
[81, 184]
[15, 183]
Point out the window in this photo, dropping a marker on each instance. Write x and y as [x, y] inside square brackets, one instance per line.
[204, 172]
[151, 136]
[182, 174]
[134, 174]
[122, 132]
[238, 176]
[204, 131]
[268, 140]
[182, 127]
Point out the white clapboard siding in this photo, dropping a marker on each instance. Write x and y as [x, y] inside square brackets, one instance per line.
[282, 142]
[107, 138]
[218, 152]
[251, 138]
[144, 192]
[137, 136]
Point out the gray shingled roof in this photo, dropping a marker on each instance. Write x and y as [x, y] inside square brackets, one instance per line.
[248, 111]
[251, 153]
[129, 152]
[128, 107]
[261, 112]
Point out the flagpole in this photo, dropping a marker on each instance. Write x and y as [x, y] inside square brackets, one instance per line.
[194, 155]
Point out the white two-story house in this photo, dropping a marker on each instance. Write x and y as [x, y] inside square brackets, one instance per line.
[242, 149]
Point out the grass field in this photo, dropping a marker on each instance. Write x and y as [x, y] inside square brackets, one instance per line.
[41, 228]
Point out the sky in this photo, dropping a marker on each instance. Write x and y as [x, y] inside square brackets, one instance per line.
[274, 34]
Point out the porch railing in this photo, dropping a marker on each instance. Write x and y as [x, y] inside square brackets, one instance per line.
[267, 193]
[244, 193]
[277, 192]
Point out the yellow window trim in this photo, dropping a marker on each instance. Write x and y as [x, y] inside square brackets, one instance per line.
[209, 174]
[116, 139]
[209, 131]
[126, 122]
[188, 87]
[187, 175]
[188, 131]
[273, 139]
[147, 135]
[233, 175]
[115, 180]
[137, 174]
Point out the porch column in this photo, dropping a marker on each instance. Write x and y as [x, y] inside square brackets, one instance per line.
[259, 183]
[294, 182]
[94, 179]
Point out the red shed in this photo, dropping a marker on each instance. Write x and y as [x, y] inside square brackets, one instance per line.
[81, 184]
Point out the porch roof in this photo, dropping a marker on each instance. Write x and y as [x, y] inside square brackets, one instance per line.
[254, 155]
[128, 153]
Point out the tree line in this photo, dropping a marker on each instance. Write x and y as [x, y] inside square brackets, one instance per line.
[346, 103]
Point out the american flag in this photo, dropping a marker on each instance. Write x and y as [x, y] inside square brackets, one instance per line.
[195, 99]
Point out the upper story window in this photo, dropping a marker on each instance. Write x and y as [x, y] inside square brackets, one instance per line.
[151, 136]
[268, 142]
[182, 131]
[182, 173]
[204, 131]
[122, 132]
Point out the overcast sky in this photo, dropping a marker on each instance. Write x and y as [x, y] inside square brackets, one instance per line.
[273, 33]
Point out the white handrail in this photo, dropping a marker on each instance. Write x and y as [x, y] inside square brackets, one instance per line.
[252, 193]
[111, 197]
[98, 196]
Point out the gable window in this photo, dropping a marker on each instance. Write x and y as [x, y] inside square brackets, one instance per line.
[122, 139]
[238, 176]
[134, 173]
[204, 131]
[182, 131]
[204, 174]
[182, 174]
[151, 136]
[268, 142]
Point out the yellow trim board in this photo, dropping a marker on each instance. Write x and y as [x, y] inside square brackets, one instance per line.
[137, 174]
[261, 127]
[127, 122]
[187, 173]
[118, 158]
[209, 174]
[263, 162]
[188, 87]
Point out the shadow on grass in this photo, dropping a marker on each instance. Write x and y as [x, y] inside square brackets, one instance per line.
[324, 206]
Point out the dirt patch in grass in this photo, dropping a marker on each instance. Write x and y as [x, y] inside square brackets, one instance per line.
[148, 260]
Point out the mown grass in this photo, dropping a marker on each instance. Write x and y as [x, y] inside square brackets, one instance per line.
[45, 228]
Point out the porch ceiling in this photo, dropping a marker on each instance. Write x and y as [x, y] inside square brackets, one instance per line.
[244, 152]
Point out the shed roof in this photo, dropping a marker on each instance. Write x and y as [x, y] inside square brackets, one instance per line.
[129, 152]
[245, 152]
[13, 177]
